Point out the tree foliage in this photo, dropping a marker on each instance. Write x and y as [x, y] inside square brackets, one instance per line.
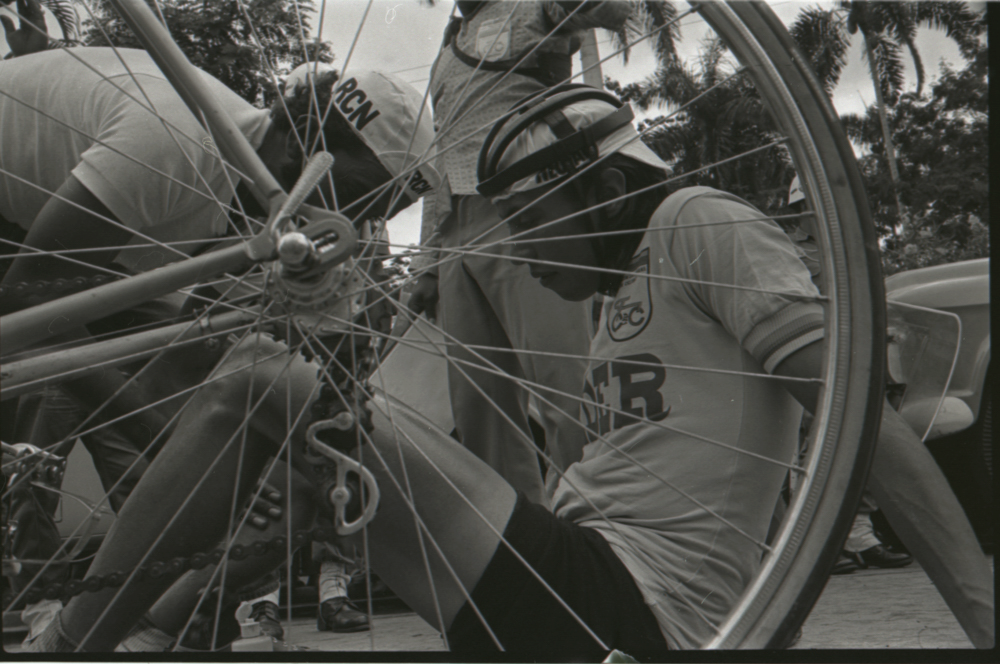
[943, 149]
[66, 16]
[246, 44]
[716, 118]
[656, 17]
[886, 28]
[718, 128]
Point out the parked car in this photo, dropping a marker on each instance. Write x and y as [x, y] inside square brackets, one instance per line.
[930, 309]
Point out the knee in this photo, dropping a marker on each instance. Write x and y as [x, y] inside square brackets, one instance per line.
[223, 397]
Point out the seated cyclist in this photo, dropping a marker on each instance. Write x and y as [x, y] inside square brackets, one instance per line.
[655, 531]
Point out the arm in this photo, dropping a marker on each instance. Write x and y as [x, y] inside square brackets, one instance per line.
[72, 219]
[905, 480]
[424, 289]
[803, 363]
[75, 219]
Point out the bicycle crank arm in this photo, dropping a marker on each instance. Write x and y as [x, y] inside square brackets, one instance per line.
[340, 495]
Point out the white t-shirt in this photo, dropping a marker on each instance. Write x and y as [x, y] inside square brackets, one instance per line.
[690, 565]
[81, 112]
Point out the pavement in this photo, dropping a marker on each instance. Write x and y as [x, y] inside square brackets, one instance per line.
[867, 609]
[882, 608]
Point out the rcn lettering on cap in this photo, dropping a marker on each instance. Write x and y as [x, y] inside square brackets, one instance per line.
[390, 117]
[355, 104]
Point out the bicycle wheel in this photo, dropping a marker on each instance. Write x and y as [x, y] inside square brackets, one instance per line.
[827, 478]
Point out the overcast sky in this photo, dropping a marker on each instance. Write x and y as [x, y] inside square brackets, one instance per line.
[403, 36]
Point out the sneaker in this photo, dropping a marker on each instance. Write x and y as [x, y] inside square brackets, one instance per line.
[268, 616]
[337, 615]
[37, 617]
[879, 556]
[146, 637]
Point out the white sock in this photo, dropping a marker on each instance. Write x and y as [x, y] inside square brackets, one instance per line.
[333, 580]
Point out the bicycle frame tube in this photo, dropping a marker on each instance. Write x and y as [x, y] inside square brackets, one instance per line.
[26, 375]
[52, 318]
[186, 80]
[23, 328]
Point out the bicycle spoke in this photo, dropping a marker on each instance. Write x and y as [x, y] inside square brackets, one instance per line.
[347, 344]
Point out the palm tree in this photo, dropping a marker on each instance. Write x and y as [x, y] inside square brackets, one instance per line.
[943, 154]
[717, 115]
[657, 16]
[67, 18]
[649, 16]
[886, 28]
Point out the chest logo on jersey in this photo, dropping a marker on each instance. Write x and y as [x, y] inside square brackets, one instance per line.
[631, 310]
[623, 392]
[493, 40]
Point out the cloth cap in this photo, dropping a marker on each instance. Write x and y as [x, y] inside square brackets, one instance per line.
[389, 115]
[625, 140]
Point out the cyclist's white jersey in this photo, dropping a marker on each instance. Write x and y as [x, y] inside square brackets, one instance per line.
[86, 112]
[646, 478]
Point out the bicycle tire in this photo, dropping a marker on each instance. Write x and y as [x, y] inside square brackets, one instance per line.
[785, 597]
[780, 596]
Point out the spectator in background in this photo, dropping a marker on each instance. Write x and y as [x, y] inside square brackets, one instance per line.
[493, 55]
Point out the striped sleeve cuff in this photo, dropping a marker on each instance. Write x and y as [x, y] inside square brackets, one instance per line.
[778, 336]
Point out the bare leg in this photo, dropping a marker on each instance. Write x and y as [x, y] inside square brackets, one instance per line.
[910, 488]
[432, 460]
[175, 607]
[202, 435]
[207, 443]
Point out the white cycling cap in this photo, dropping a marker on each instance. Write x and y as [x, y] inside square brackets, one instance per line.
[581, 115]
[389, 115]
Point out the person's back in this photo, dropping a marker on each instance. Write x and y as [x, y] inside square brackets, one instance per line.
[88, 112]
[519, 57]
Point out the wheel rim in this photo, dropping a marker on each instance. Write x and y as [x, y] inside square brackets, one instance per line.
[779, 598]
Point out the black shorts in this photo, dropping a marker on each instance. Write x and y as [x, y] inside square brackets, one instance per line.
[530, 623]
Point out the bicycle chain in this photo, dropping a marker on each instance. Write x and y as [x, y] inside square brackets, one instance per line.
[178, 565]
[43, 288]
[326, 406]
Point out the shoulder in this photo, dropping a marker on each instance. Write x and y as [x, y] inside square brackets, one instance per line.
[698, 202]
